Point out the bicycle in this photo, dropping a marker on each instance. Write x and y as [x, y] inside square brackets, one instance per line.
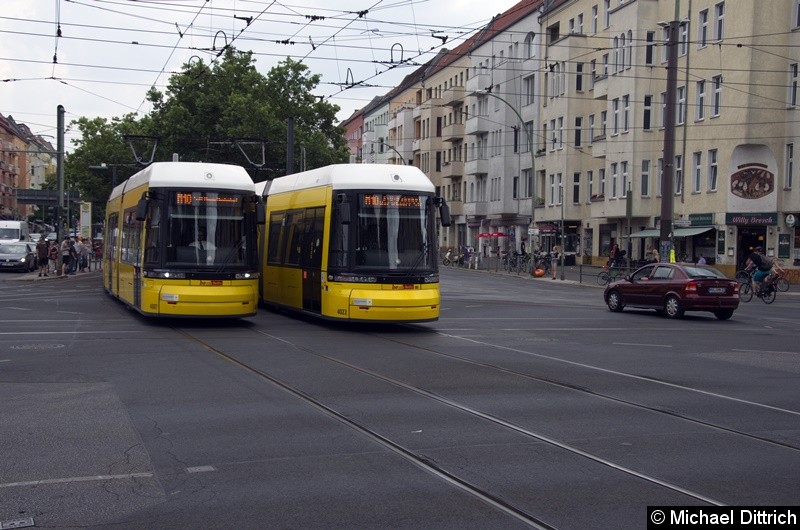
[609, 275]
[779, 278]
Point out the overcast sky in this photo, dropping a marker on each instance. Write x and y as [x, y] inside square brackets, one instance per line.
[111, 51]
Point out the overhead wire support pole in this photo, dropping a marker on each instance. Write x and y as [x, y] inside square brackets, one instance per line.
[529, 135]
[668, 177]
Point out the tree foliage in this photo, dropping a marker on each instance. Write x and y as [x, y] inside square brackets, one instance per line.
[201, 114]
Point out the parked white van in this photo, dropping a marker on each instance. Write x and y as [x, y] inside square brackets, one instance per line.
[14, 231]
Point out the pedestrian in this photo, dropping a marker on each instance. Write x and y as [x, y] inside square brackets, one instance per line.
[78, 254]
[52, 257]
[555, 255]
[41, 255]
[701, 260]
[64, 249]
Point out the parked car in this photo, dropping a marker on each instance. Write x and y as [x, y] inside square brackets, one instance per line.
[17, 256]
[672, 288]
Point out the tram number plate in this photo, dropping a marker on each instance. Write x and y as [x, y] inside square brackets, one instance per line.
[716, 290]
[398, 287]
[211, 282]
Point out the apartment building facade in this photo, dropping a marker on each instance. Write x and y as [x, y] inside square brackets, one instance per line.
[586, 81]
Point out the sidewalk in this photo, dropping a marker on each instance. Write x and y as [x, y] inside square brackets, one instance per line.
[34, 276]
[572, 274]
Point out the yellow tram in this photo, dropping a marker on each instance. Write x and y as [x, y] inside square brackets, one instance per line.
[353, 242]
[181, 241]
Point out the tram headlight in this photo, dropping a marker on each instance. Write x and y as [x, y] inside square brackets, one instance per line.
[431, 278]
[164, 275]
[247, 275]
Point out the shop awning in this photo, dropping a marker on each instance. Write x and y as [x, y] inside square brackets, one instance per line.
[691, 231]
[650, 232]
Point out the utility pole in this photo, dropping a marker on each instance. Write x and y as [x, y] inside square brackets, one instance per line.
[59, 168]
[668, 178]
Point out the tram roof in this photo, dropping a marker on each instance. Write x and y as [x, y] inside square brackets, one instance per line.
[188, 175]
[353, 176]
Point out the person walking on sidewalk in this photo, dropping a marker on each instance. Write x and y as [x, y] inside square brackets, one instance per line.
[41, 255]
[555, 255]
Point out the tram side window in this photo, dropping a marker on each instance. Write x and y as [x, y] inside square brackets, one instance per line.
[294, 237]
[274, 242]
[312, 238]
[130, 237]
[152, 236]
[111, 236]
[339, 241]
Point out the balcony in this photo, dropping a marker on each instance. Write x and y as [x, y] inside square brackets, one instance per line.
[454, 96]
[454, 168]
[479, 83]
[415, 144]
[478, 125]
[454, 131]
[476, 166]
[476, 209]
[456, 207]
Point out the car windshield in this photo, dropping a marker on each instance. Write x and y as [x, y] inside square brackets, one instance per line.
[703, 272]
[8, 248]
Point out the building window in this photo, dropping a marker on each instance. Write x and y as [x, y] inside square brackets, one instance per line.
[789, 170]
[578, 125]
[793, 85]
[552, 189]
[579, 77]
[594, 19]
[696, 172]
[615, 116]
[603, 123]
[576, 188]
[560, 188]
[626, 111]
[680, 119]
[719, 21]
[678, 182]
[647, 113]
[683, 38]
[528, 86]
[614, 178]
[700, 107]
[659, 177]
[663, 107]
[716, 104]
[650, 40]
[702, 29]
[625, 182]
[591, 129]
[515, 188]
[712, 170]
[561, 132]
[645, 178]
[590, 182]
[527, 181]
[602, 176]
[530, 46]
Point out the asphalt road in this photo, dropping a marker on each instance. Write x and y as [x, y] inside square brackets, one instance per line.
[527, 404]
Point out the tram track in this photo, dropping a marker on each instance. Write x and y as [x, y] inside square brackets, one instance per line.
[428, 464]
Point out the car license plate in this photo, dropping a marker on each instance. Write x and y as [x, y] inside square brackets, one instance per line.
[716, 290]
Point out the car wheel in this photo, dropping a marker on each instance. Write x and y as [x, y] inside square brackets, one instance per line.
[723, 314]
[673, 307]
[614, 301]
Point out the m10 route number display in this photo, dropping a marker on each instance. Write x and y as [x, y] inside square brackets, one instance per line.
[191, 199]
[395, 201]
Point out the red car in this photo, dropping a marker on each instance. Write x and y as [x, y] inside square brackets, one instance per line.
[672, 288]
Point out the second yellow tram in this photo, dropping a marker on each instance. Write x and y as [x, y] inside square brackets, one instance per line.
[353, 242]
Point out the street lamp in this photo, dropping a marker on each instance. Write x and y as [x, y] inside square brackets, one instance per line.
[561, 253]
[529, 135]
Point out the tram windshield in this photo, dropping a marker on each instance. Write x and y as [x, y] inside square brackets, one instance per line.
[393, 231]
[206, 228]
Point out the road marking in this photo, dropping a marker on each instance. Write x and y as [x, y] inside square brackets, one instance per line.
[75, 479]
[643, 345]
[37, 332]
[765, 351]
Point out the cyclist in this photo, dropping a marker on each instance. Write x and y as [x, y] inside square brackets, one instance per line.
[763, 267]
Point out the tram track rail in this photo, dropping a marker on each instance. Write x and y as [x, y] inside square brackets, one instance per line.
[451, 477]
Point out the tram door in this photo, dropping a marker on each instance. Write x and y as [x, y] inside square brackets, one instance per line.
[311, 260]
